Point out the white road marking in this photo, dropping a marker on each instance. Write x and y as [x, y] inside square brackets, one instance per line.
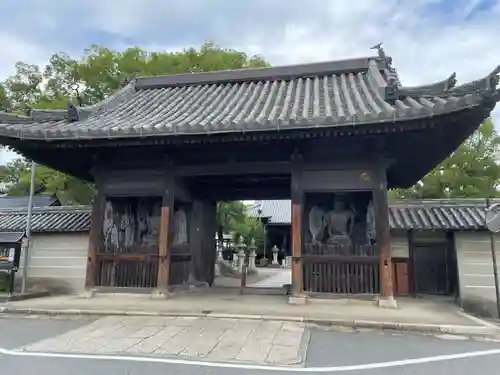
[367, 366]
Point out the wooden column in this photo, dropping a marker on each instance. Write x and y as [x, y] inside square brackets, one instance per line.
[411, 257]
[164, 242]
[383, 240]
[95, 238]
[297, 207]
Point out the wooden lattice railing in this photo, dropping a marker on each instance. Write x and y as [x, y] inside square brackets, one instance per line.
[341, 274]
[127, 270]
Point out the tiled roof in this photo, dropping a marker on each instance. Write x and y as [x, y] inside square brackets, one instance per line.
[339, 93]
[454, 214]
[438, 214]
[277, 211]
[22, 201]
[11, 237]
[47, 219]
[467, 214]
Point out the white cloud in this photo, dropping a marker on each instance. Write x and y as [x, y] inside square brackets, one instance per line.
[428, 39]
[17, 49]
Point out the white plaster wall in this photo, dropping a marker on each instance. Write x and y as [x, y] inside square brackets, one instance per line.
[399, 244]
[429, 236]
[475, 268]
[57, 262]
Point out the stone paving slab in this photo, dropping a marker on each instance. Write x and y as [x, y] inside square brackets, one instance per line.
[206, 339]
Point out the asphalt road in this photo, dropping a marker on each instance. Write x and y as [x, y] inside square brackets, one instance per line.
[329, 352]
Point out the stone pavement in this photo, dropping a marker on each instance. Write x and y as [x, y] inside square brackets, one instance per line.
[276, 279]
[422, 315]
[221, 340]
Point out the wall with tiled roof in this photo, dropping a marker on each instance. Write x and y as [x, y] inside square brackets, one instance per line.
[47, 219]
[463, 214]
[452, 214]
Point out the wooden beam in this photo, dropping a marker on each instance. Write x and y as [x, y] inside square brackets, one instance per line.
[164, 242]
[271, 167]
[95, 238]
[241, 194]
[234, 168]
[182, 191]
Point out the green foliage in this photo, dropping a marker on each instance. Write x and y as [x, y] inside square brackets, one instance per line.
[232, 217]
[69, 190]
[101, 71]
[97, 74]
[229, 214]
[472, 171]
[4, 99]
[250, 228]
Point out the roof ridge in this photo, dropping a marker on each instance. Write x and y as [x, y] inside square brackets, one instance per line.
[42, 115]
[452, 201]
[283, 72]
[431, 89]
[14, 118]
[47, 209]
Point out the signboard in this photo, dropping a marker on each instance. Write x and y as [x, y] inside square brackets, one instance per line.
[492, 218]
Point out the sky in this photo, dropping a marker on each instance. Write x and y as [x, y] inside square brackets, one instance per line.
[428, 39]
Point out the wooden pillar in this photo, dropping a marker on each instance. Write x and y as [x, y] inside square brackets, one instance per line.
[383, 240]
[202, 226]
[209, 244]
[411, 257]
[297, 207]
[164, 241]
[95, 238]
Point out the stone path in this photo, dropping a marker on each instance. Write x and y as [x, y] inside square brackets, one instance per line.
[223, 340]
[278, 277]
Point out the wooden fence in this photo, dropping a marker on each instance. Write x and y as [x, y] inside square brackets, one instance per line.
[127, 270]
[341, 274]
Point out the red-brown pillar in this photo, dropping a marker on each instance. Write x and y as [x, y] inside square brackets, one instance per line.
[297, 210]
[297, 286]
[164, 241]
[383, 241]
[95, 238]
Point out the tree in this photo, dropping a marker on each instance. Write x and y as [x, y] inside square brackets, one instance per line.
[4, 99]
[233, 218]
[16, 175]
[472, 171]
[101, 71]
[250, 228]
[90, 79]
[229, 216]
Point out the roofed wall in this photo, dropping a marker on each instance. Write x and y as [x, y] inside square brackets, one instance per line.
[451, 214]
[458, 214]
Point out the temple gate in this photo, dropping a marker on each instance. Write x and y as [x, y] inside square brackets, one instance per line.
[331, 136]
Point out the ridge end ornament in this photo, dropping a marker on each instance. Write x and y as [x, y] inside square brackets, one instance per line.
[492, 218]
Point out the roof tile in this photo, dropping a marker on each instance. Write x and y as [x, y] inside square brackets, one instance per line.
[418, 215]
[182, 105]
[406, 215]
[47, 219]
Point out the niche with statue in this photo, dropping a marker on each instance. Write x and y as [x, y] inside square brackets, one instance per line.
[339, 224]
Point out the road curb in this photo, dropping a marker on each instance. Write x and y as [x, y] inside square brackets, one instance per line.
[406, 327]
